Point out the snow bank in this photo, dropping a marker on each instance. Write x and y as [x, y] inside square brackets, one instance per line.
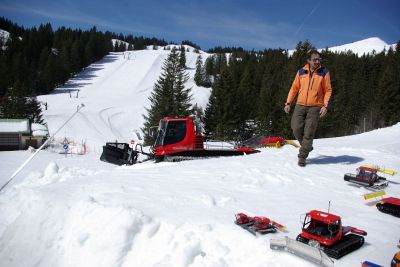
[79, 211]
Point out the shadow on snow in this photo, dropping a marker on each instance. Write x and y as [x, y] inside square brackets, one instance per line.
[344, 159]
[87, 74]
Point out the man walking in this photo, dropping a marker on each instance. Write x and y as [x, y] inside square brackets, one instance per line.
[312, 84]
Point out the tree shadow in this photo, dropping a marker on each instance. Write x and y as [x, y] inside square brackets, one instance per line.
[344, 159]
[107, 59]
[84, 77]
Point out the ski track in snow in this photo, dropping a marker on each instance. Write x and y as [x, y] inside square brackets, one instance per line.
[78, 211]
[150, 77]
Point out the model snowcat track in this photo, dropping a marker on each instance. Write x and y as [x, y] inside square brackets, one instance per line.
[389, 209]
[346, 245]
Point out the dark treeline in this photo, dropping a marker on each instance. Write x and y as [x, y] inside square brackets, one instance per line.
[249, 90]
[137, 42]
[34, 61]
[219, 49]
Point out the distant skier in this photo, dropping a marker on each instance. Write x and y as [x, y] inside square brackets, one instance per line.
[312, 84]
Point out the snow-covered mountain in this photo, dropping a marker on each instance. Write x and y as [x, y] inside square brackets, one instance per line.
[366, 46]
[75, 210]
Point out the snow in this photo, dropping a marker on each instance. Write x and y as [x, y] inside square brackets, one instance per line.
[4, 36]
[366, 46]
[75, 210]
[14, 126]
[120, 42]
[39, 129]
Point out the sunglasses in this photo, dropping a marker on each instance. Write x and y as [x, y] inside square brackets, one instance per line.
[316, 60]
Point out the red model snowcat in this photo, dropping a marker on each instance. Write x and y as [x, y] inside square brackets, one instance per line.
[261, 225]
[177, 138]
[323, 236]
[367, 176]
[390, 205]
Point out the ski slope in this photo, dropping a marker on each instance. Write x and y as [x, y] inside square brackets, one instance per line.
[75, 210]
[115, 92]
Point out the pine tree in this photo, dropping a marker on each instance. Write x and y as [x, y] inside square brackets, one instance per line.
[33, 110]
[389, 85]
[48, 76]
[246, 92]
[4, 75]
[266, 99]
[211, 112]
[14, 104]
[76, 57]
[209, 65]
[169, 96]
[220, 63]
[222, 113]
[201, 78]
[182, 57]
[198, 75]
[181, 95]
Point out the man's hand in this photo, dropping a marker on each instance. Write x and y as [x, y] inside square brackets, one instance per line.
[323, 111]
[287, 108]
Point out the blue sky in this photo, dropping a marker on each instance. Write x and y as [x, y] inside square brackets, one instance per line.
[250, 24]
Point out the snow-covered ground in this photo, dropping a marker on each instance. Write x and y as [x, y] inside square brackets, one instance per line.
[76, 210]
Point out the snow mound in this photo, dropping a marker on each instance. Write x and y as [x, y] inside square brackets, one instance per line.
[366, 46]
[51, 169]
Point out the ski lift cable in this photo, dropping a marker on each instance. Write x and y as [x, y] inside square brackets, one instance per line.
[78, 108]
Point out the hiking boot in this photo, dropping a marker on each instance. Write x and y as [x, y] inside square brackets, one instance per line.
[302, 162]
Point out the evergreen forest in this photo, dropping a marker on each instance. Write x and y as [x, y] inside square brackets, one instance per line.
[249, 90]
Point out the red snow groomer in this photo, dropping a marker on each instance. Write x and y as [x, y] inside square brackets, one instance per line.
[181, 137]
[177, 138]
[367, 176]
[322, 236]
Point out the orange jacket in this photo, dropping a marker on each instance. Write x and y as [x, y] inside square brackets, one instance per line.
[313, 89]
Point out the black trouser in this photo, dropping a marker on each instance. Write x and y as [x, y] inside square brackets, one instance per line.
[304, 125]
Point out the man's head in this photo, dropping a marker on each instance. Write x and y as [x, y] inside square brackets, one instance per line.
[314, 59]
